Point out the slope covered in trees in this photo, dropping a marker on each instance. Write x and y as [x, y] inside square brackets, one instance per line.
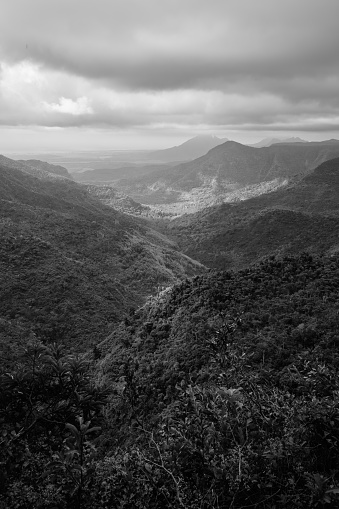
[37, 168]
[43, 166]
[302, 216]
[70, 266]
[229, 383]
[228, 169]
[221, 392]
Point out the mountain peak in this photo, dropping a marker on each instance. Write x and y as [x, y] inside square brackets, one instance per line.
[228, 172]
[189, 150]
[200, 137]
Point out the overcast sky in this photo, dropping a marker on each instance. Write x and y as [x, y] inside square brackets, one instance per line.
[114, 74]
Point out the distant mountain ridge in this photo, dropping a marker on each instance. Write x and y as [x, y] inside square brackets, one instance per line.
[157, 162]
[228, 173]
[267, 142]
[190, 149]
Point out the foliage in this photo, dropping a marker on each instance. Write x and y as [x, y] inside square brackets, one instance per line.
[223, 389]
[70, 267]
[302, 215]
[227, 173]
[226, 391]
[40, 401]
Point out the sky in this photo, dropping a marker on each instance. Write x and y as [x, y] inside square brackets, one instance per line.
[143, 74]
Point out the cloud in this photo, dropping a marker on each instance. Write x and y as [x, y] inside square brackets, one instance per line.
[32, 95]
[174, 44]
[79, 107]
[231, 63]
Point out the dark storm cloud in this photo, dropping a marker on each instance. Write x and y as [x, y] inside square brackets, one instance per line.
[271, 61]
[177, 44]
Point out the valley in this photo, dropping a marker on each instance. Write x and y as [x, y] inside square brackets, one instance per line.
[301, 216]
[70, 266]
[169, 254]
[159, 339]
[68, 246]
[227, 173]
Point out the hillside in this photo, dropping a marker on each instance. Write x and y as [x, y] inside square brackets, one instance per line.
[71, 266]
[302, 216]
[36, 168]
[222, 391]
[253, 309]
[227, 173]
[229, 369]
[219, 391]
[118, 200]
[55, 169]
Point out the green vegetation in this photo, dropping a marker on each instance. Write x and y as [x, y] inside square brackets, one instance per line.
[48, 408]
[302, 216]
[227, 173]
[228, 394]
[70, 267]
[222, 391]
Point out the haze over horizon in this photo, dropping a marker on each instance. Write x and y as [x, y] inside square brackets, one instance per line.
[81, 75]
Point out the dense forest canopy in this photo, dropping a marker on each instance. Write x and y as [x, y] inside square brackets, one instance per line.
[169, 284]
[70, 266]
[302, 216]
[222, 391]
[219, 391]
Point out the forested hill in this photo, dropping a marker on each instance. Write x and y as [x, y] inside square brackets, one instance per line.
[302, 216]
[71, 266]
[235, 162]
[37, 168]
[221, 392]
[270, 311]
[228, 171]
[43, 166]
[233, 367]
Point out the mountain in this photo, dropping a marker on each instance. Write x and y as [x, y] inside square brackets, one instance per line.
[227, 374]
[190, 149]
[43, 166]
[220, 392]
[178, 328]
[304, 215]
[36, 168]
[71, 266]
[227, 173]
[267, 142]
